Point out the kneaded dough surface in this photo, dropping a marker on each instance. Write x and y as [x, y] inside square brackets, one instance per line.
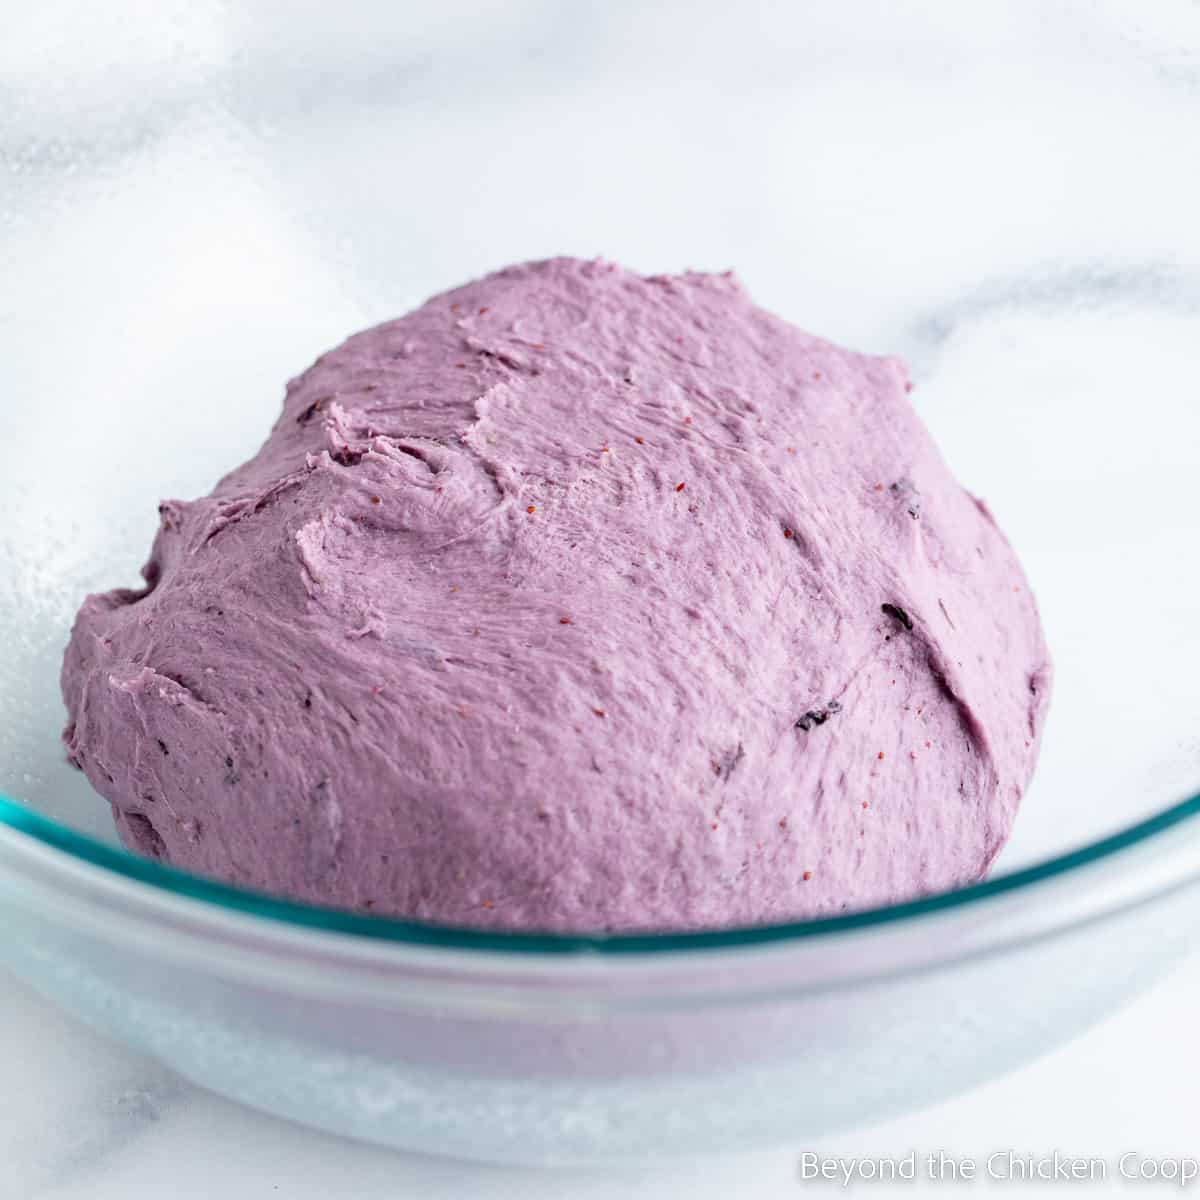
[574, 600]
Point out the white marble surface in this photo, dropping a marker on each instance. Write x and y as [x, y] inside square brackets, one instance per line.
[943, 180]
[81, 1119]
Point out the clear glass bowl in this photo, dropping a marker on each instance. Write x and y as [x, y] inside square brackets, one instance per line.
[198, 200]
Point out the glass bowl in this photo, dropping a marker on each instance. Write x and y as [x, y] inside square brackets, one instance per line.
[198, 201]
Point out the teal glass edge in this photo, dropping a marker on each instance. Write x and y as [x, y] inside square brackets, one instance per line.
[179, 883]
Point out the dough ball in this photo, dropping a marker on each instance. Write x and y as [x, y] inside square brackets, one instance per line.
[574, 600]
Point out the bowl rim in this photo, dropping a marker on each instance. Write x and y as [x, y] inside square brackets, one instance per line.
[227, 898]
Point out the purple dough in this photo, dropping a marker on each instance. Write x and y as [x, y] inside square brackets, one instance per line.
[574, 600]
